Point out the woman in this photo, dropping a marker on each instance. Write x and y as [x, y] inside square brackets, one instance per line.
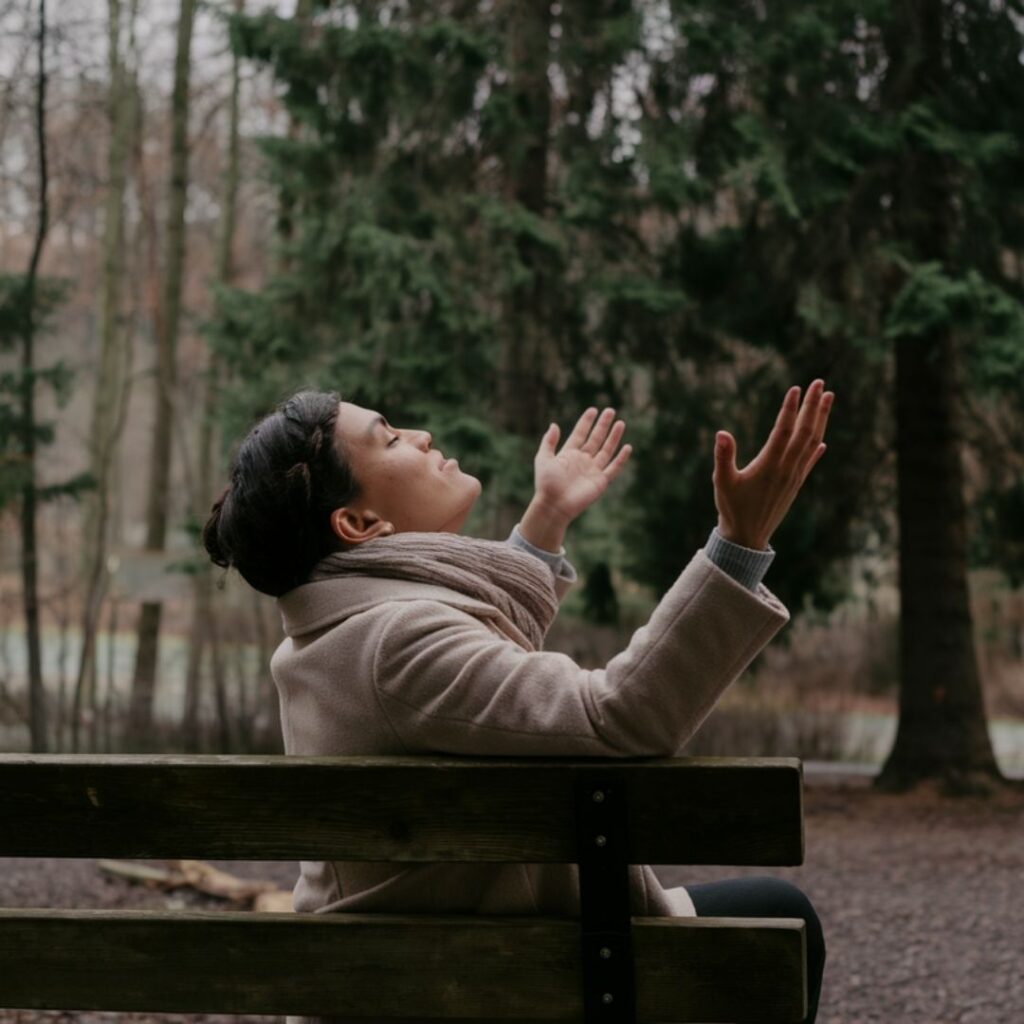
[404, 637]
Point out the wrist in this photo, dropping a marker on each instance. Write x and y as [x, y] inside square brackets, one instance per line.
[735, 537]
[543, 526]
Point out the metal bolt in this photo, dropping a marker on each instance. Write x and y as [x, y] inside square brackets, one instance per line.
[600, 840]
[598, 796]
[605, 952]
[606, 998]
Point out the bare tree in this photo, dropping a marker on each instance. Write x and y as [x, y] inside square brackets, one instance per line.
[204, 632]
[144, 679]
[29, 557]
[110, 398]
[17, 72]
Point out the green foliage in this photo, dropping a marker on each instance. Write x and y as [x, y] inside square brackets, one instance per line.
[785, 141]
[16, 313]
[756, 216]
[931, 298]
[407, 252]
[996, 536]
[22, 310]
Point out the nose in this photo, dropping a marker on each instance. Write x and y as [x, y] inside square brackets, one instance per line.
[429, 437]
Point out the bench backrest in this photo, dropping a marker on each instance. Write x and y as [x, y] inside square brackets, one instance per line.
[602, 814]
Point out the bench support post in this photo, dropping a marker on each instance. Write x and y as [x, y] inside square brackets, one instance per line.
[609, 995]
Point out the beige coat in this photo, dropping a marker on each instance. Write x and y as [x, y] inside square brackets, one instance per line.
[381, 666]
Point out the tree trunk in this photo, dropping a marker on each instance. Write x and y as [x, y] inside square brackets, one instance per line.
[110, 695]
[942, 732]
[191, 740]
[942, 729]
[29, 556]
[110, 398]
[220, 690]
[526, 362]
[286, 210]
[203, 606]
[144, 680]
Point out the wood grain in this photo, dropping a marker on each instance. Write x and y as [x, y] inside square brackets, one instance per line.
[471, 967]
[726, 811]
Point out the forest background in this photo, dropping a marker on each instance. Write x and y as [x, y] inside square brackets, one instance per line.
[482, 217]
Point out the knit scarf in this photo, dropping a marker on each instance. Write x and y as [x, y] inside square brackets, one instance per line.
[509, 579]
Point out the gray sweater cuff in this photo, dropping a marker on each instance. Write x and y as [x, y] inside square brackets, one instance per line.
[745, 565]
[559, 564]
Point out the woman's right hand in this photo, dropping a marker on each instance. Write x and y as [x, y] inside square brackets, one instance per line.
[752, 501]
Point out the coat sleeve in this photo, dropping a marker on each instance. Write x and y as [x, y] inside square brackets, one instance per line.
[446, 683]
[563, 570]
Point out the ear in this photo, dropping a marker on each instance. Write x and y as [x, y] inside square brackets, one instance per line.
[353, 526]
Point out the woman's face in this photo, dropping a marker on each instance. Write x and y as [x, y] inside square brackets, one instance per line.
[406, 485]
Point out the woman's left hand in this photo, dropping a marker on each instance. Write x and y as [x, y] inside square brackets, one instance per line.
[573, 479]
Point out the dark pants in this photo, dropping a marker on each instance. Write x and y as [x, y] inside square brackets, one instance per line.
[764, 896]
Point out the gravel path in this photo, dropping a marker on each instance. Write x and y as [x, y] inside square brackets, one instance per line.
[920, 898]
[921, 904]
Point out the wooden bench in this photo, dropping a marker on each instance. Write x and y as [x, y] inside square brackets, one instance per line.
[602, 814]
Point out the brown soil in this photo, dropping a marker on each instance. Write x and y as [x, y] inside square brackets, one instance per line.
[920, 901]
[919, 896]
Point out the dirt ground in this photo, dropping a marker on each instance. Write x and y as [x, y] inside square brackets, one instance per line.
[921, 899]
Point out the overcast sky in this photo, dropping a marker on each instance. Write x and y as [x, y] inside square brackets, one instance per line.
[78, 35]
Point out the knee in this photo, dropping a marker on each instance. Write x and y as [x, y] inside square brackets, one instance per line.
[789, 900]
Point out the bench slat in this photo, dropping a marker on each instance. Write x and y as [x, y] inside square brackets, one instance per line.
[378, 965]
[725, 811]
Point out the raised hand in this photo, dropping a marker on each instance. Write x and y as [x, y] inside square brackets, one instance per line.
[752, 501]
[571, 480]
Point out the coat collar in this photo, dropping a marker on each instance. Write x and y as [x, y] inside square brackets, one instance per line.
[315, 606]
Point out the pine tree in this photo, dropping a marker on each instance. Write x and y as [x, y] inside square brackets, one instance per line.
[27, 303]
[858, 171]
[448, 217]
[634, 203]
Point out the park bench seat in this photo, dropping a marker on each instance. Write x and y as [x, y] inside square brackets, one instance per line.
[602, 814]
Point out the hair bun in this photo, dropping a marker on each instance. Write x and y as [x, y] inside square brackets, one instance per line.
[211, 533]
[272, 523]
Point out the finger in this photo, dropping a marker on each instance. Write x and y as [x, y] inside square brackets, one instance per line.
[812, 462]
[611, 442]
[550, 440]
[600, 431]
[803, 435]
[778, 439]
[818, 418]
[612, 469]
[725, 457]
[821, 422]
[827, 401]
[582, 428]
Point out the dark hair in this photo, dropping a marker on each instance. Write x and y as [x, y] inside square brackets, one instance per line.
[272, 523]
